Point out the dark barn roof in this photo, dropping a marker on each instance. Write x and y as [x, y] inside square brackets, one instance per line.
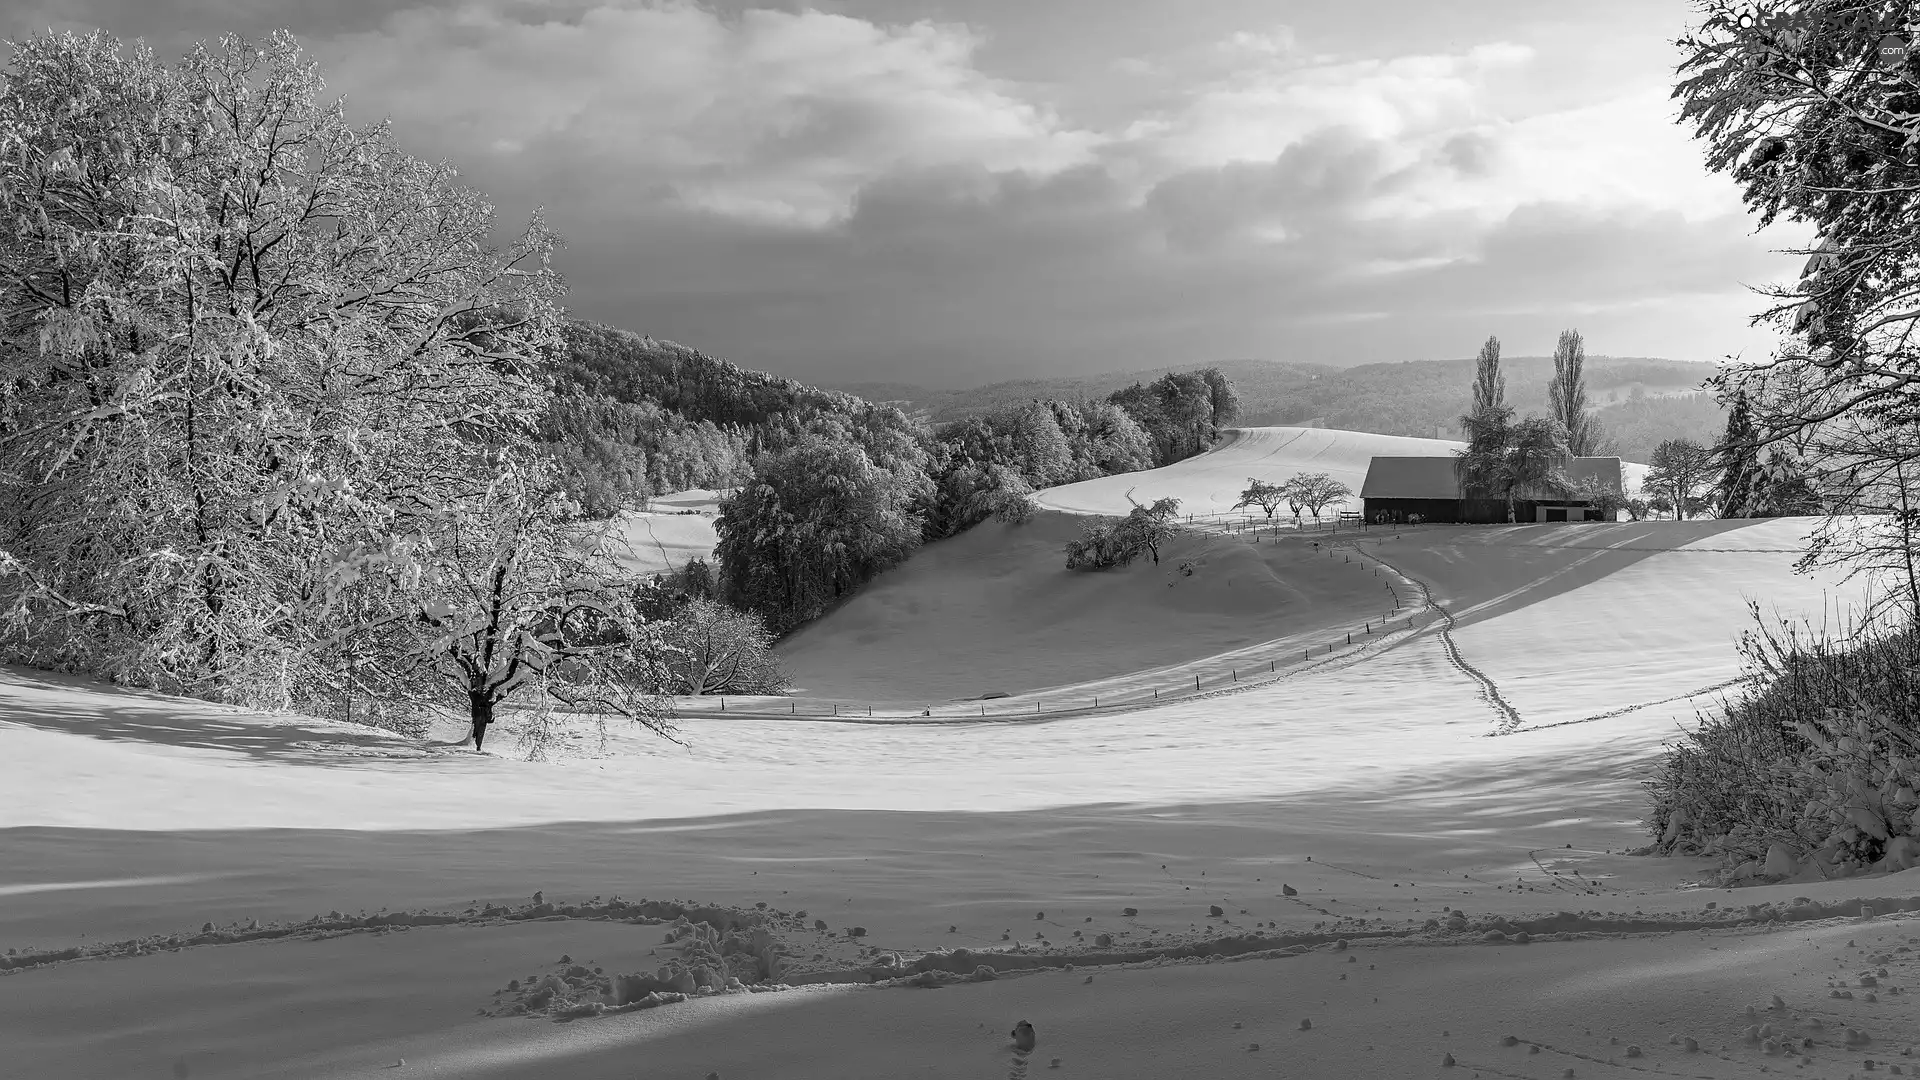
[1432, 477]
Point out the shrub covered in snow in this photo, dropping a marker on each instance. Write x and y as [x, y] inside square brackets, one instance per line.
[1818, 762]
[1105, 543]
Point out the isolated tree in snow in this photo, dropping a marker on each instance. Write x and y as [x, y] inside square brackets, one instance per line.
[1317, 491]
[1681, 468]
[241, 344]
[512, 594]
[1567, 396]
[1147, 527]
[710, 648]
[1266, 496]
[1105, 543]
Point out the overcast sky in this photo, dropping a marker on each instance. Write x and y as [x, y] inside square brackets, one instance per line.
[952, 192]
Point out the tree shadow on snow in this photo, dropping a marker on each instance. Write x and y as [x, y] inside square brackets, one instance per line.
[78, 705]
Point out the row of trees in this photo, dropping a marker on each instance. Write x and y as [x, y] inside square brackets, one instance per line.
[1313, 492]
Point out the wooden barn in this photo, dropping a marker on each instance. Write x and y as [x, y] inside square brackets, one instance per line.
[1398, 487]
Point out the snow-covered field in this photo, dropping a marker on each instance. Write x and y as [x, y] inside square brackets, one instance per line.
[1356, 795]
[1211, 483]
[674, 529]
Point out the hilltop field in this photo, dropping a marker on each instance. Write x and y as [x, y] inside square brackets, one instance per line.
[1403, 856]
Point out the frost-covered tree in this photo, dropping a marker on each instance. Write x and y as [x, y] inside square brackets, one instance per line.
[1147, 527]
[1317, 491]
[1267, 496]
[1802, 114]
[243, 347]
[710, 648]
[1106, 543]
[506, 594]
[817, 521]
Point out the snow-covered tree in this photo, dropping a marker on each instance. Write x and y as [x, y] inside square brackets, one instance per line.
[711, 648]
[507, 592]
[243, 347]
[1317, 491]
[1267, 496]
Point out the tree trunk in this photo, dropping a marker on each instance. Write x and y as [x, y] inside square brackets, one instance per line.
[480, 707]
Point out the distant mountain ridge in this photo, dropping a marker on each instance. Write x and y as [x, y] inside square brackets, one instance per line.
[1415, 397]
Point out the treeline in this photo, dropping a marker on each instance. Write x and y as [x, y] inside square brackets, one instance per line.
[832, 489]
[1410, 398]
[614, 454]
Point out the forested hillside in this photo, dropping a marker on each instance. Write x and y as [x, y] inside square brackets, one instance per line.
[833, 489]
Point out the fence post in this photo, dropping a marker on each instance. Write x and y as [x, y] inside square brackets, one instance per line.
[983, 710]
[1236, 674]
[836, 709]
[870, 709]
[723, 704]
[1273, 665]
[1349, 637]
[793, 706]
[1196, 682]
[1036, 707]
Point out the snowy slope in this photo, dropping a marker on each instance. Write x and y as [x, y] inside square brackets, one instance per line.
[1210, 483]
[1377, 783]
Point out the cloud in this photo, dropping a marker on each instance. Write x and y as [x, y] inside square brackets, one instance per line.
[825, 195]
[772, 116]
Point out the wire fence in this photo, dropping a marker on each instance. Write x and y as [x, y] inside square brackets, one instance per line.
[1397, 615]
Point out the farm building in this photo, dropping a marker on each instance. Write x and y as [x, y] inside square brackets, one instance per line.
[1397, 487]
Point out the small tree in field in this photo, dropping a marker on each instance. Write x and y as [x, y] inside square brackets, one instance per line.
[1681, 469]
[711, 648]
[1147, 527]
[1105, 544]
[1317, 491]
[1266, 496]
[505, 594]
